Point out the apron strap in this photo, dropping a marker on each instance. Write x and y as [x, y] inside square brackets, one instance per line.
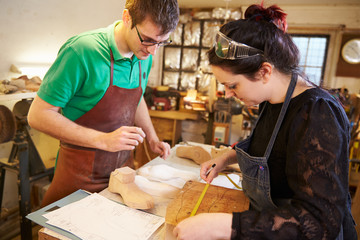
[139, 73]
[111, 67]
[284, 107]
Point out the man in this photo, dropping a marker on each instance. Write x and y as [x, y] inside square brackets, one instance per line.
[92, 96]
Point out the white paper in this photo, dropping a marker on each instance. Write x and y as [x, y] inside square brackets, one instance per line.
[223, 181]
[167, 174]
[98, 218]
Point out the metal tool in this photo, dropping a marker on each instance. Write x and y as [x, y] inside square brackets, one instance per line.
[23, 159]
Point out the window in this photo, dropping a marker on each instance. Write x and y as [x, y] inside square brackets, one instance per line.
[313, 52]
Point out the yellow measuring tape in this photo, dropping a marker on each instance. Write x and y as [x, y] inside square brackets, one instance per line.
[231, 181]
[199, 200]
[193, 212]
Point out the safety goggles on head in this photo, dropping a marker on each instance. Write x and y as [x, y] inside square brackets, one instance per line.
[227, 48]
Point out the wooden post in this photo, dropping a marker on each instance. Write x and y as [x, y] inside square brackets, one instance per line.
[355, 209]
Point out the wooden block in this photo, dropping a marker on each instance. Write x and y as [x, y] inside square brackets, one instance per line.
[44, 234]
[216, 199]
[195, 153]
[122, 181]
[124, 174]
[216, 152]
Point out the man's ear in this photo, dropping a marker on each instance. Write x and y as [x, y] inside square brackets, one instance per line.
[265, 71]
[126, 18]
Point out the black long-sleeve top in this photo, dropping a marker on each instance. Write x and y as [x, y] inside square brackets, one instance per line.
[309, 165]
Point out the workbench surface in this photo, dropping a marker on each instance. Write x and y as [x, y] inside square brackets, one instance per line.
[161, 203]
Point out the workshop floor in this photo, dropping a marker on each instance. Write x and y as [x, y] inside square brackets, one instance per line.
[10, 228]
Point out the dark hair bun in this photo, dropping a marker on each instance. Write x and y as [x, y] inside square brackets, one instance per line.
[272, 14]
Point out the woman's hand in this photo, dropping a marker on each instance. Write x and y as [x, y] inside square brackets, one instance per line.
[221, 162]
[209, 174]
[205, 226]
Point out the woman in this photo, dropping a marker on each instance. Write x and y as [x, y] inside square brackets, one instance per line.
[295, 162]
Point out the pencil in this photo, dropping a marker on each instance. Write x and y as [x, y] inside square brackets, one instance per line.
[208, 171]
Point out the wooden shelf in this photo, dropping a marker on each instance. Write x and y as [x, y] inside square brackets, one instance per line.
[177, 115]
[167, 125]
[17, 96]
[353, 183]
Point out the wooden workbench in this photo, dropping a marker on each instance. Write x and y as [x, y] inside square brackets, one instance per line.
[161, 204]
[167, 124]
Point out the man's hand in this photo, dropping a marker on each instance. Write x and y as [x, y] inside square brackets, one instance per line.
[47, 118]
[161, 148]
[123, 138]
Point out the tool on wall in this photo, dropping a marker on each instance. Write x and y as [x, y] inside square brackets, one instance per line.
[224, 109]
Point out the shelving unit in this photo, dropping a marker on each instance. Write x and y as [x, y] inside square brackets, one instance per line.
[185, 64]
[16, 96]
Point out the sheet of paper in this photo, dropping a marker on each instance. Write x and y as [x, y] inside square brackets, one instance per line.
[223, 181]
[98, 218]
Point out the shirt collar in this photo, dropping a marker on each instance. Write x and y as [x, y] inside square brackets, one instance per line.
[112, 43]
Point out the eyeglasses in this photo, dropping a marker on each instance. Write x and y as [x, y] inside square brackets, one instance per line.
[151, 43]
[227, 48]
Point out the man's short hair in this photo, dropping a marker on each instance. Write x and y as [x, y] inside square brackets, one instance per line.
[164, 13]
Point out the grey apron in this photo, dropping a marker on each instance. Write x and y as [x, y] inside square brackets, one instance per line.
[255, 170]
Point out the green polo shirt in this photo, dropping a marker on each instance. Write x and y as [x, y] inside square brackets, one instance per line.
[80, 75]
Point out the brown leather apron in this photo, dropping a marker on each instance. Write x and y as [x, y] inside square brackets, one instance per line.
[88, 168]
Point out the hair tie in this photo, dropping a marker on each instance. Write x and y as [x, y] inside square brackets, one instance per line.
[259, 17]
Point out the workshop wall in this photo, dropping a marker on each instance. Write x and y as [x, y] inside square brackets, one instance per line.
[32, 31]
[334, 20]
[31, 34]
